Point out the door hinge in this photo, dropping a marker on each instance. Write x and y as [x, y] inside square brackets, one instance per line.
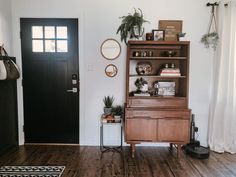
[22, 82]
[23, 127]
[20, 35]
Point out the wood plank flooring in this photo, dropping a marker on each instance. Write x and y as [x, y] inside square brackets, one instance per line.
[85, 161]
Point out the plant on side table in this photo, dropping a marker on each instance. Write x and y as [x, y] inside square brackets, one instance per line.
[108, 102]
[117, 111]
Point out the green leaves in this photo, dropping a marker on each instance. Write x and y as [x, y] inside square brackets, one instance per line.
[129, 23]
[210, 40]
[108, 101]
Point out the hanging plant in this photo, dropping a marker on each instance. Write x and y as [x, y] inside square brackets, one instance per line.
[211, 38]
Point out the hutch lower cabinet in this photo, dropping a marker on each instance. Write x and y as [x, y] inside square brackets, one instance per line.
[157, 93]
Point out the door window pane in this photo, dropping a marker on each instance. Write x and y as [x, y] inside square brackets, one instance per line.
[49, 45]
[62, 46]
[62, 32]
[37, 32]
[37, 45]
[49, 32]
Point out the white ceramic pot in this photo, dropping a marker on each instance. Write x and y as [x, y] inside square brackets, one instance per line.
[144, 88]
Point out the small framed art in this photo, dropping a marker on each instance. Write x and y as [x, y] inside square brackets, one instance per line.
[158, 35]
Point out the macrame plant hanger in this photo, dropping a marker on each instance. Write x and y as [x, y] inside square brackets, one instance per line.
[213, 18]
[211, 38]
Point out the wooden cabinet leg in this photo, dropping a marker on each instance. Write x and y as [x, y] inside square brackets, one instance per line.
[171, 146]
[178, 150]
[132, 149]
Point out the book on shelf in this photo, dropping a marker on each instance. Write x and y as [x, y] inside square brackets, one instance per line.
[170, 74]
[170, 70]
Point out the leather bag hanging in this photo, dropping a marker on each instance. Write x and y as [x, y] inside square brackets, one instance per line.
[12, 71]
[3, 71]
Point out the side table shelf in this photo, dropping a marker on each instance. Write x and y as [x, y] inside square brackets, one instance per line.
[105, 148]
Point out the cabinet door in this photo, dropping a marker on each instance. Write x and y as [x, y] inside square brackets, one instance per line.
[173, 130]
[141, 129]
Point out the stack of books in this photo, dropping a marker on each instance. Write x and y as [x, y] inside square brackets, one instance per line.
[170, 72]
[166, 88]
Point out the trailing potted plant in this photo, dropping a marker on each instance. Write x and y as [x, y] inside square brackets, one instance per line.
[108, 102]
[117, 111]
[131, 26]
[210, 40]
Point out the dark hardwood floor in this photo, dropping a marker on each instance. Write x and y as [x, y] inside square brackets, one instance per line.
[85, 161]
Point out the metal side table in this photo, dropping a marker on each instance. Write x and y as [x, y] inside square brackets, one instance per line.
[105, 148]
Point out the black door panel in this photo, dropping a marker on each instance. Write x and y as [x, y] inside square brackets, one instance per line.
[51, 113]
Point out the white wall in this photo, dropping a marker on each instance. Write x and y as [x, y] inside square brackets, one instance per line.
[5, 25]
[99, 20]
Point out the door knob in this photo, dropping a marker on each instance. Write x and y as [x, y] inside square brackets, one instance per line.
[74, 90]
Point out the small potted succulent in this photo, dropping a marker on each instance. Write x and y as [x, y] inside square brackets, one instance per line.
[131, 26]
[108, 102]
[117, 111]
[180, 35]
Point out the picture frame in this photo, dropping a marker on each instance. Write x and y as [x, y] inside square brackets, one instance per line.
[172, 29]
[158, 35]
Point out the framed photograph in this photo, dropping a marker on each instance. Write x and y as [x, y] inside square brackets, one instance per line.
[172, 28]
[158, 35]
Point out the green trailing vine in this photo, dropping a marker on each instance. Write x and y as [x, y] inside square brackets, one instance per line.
[129, 23]
[210, 40]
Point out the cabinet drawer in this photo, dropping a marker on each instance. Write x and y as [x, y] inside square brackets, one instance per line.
[173, 130]
[158, 103]
[157, 114]
[141, 129]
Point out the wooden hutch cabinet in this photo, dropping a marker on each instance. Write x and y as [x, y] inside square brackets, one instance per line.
[160, 114]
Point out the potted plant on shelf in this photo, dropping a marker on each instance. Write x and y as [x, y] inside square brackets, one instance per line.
[141, 84]
[180, 35]
[117, 111]
[108, 102]
[131, 26]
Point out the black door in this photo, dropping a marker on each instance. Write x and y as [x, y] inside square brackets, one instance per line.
[50, 80]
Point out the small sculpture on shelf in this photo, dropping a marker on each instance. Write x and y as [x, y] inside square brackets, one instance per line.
[144, 68]
[169, 53]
